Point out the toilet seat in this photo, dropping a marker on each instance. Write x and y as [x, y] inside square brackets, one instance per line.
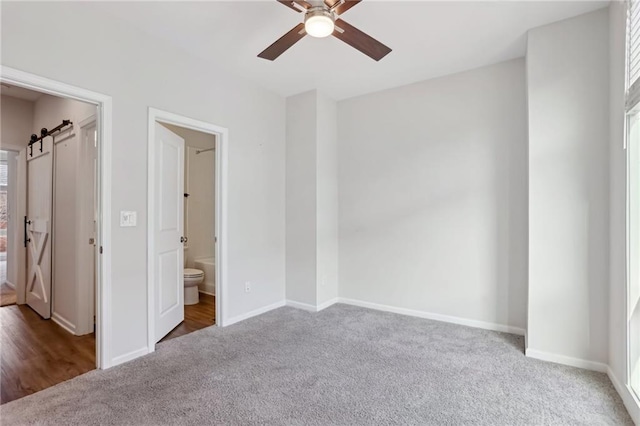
[193, 273]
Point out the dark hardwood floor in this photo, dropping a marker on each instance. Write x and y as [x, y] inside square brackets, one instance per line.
[195, 317]
[7, 295]
[36, 354]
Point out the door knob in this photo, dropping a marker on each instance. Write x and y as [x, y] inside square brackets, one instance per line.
[183, 239]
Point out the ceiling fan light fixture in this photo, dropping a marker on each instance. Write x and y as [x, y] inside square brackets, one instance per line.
[319, 23]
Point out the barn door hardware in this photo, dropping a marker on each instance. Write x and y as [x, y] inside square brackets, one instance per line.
[26, 235]
[44, 133]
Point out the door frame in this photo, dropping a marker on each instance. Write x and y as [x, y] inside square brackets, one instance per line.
[104, 123]
[221, 145]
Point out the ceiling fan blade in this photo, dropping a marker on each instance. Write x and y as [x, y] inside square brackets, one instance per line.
[292, 4]
[359, 40]
[341, 6]
[283, 43]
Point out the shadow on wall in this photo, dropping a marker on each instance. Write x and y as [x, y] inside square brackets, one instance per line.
[433, 198]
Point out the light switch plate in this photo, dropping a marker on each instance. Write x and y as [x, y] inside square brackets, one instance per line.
[128, 218]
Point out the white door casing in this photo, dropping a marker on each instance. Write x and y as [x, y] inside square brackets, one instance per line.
[169, 230]
[39, 198]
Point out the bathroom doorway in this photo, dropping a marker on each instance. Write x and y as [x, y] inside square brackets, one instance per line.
[199, 230]
[185, 226]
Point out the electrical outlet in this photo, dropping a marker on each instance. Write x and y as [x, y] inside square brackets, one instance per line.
[247, 287]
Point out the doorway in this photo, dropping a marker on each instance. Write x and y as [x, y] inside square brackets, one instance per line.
[186, 276]
[62, 263]
[7, 217]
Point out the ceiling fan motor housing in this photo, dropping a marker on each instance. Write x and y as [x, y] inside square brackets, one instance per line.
[319, 21]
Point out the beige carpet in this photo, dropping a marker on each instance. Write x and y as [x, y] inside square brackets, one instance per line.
[342, 366]
[7, 295]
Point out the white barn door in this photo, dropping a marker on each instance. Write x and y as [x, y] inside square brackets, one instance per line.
[38, 227]
[168, 215]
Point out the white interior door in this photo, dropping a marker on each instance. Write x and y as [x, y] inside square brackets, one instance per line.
[168, 214]
[87, 226]
[38, 227]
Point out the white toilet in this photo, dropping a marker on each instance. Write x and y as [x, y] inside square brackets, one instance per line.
[192, 277]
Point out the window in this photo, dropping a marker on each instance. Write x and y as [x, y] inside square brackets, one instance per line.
[633, 194]
[633, 297]
[633, 44]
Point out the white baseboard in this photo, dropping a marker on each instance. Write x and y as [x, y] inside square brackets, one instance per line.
[129, 356]
[300, 305]
[63, 322]
[311, 308]
[436, 317]
[631, 403]
[326, 304]
[253, 313]
[207, 289]
[567, 360]
[10, 284]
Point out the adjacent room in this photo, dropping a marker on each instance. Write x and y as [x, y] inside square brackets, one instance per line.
[323, 212]
[47, 314]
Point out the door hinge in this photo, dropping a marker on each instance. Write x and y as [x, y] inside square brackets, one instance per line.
[100, 249]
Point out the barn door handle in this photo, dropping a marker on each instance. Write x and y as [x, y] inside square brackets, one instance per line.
[26, 236]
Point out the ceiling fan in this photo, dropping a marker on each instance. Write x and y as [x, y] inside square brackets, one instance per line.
[321, 19]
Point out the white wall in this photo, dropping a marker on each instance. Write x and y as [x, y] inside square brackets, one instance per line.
[617, 184]
[193, 138]
[200, 215]
[312, 209]
[16, 122]
[110, 57]
[327, 198]
[199, 218]
[49, 111]
[568, 102]
[432, 196]
[301, 184]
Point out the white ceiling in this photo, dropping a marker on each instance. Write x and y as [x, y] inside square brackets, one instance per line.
[429, 39]
[19, 92]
